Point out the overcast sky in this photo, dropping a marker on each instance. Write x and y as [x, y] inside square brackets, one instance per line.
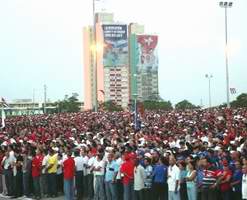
[41, 43]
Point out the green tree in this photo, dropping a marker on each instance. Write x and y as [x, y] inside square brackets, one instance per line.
[241, 101]
[157, 105]
[185, 104]
[111, 106]
[69, 104]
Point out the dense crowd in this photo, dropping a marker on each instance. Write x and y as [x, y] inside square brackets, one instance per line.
[187, 155]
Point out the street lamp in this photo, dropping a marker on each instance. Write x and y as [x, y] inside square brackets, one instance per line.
[225, 5]
[95, 60]
[209, 88]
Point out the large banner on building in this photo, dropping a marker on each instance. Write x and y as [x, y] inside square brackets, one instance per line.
[148, 57]
[115, 45]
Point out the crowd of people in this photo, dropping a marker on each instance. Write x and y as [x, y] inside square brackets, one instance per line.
[172, 155]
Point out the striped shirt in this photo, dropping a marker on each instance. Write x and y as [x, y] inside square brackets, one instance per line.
[209, 178]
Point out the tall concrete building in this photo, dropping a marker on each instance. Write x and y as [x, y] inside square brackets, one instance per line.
[143, 64]
[110, 55]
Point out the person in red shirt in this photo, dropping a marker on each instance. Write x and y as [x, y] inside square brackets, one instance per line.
[69, 172]
[127, 169]
[225, 181]
[36, 172]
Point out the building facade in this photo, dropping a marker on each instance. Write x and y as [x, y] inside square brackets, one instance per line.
[126, 63]
[110, 55]
[143, 64]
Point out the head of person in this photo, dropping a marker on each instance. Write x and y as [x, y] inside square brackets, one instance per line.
[147, 161]
[205, 162]
[110, 157]
[51, 152]
[100, 156]
[77, 153]
[182, 165]
[69, 153]
[172, 160]
[244, 169]
[191, 165]
[238, 165]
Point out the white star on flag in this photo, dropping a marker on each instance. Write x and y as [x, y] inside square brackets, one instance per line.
[149, 40]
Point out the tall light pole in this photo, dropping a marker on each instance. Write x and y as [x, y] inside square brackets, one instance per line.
[209, 77]
[226, 5]
[95, 60]
[45, 90]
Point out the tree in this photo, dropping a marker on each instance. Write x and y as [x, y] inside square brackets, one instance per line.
[69, 104]
[241, 101]
[157, 105]
[185, 104]
[111, 106]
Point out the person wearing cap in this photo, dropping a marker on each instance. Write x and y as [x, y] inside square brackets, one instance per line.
[52, 171]
[69, 173]
[148, 178]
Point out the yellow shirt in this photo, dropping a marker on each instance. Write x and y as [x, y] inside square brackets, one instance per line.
[52, 161]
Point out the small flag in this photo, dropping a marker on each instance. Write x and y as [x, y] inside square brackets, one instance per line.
[3, 118]
[4, 103]
[233, 90]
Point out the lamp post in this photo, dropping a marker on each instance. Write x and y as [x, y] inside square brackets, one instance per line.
[95, 61]
[209, 77]
[226, 5]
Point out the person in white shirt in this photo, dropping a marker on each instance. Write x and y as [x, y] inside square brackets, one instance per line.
[60, 173]
[8, 163]
[44, 181]
[98, 170]
[244, 183]
[173, 180]
[90, 178]
[139, 179]
[78, 173]
[85, 162]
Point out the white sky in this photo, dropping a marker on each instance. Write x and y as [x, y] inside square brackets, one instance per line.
[41, 42]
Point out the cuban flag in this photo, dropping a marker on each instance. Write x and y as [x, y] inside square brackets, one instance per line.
[4, 104]
[3, 117]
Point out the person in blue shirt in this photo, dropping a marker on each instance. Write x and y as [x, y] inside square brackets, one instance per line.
[110, 177]
[236, 182]
[160, 187]
[182, 177]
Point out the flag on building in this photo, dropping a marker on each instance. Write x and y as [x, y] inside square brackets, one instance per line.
[233, 90]
[4, 103]
[3, 117]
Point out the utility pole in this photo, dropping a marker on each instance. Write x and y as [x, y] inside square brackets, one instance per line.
[226, 5]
